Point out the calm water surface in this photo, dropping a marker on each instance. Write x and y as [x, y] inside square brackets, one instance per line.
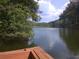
[58, 42]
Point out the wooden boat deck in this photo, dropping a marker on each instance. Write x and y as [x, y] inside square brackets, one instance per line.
[28, 53]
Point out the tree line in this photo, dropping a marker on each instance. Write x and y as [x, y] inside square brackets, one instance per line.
[15, 27]
[70, 16]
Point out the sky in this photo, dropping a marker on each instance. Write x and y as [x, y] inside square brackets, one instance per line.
[51, 9]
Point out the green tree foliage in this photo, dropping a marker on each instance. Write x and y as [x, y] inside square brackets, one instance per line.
[71, 15]
[14, 19]
[41, 24]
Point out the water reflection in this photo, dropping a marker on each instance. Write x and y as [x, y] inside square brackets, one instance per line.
[71, 37]
[51, 40]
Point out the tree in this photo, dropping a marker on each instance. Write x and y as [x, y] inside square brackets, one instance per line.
[71, 15]
[14, 20]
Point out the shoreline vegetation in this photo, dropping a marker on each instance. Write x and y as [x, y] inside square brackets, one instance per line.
[69, 18]
[15, 24]
[43, 24]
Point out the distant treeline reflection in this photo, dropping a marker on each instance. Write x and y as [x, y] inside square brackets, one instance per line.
[71, 37]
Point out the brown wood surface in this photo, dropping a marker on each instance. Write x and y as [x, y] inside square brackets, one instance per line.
[28, 53]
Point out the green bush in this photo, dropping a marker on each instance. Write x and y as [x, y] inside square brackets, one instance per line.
[15, 27]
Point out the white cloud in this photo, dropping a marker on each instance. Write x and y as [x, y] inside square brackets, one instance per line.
[49, 10]
[35, 0]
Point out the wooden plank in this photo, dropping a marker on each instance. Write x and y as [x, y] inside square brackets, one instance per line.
[41, 53]
[28, 53]
[19, 55]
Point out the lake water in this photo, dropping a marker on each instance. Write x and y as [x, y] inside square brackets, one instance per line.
[58, 42]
